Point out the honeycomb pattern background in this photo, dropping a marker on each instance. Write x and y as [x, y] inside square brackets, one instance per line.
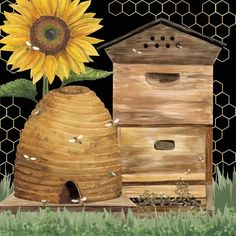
[214, 19]
[11, 123]
[224, 112]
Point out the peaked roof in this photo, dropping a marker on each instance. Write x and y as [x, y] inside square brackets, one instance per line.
[168, 23]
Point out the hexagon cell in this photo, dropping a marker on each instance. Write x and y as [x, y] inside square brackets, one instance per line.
[169, 7]
[115, 8]
[142, 8]
[129, 8]
[208, 7]
[182, 7]
[155, 8]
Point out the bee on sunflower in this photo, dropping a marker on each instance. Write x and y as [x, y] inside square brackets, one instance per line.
[50, 37]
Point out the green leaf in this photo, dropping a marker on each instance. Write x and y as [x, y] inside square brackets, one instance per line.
[19, 88]
[90, 74]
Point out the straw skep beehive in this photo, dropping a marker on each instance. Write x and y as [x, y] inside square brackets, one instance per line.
[68, 150]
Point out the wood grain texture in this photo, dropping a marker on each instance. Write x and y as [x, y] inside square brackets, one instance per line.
[136, 102]
[198, 191]
[192, 50]
[48, 138]
[141, 162]
[116, 205]
[209, 141]
[209, 199]
[161, 177]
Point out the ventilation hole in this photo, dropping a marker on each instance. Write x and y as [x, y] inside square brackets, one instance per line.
[157, 45]
[167, 45]
[145, 45]
[152, 38]
[172, 38]
[163, 38]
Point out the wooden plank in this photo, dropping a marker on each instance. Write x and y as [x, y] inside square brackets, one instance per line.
[198, 191]
[166, 104]
[161, 177]
[139, 155]
[140, 48]
[209, 140]
[14, 201]
[209, 199]
[114, 205]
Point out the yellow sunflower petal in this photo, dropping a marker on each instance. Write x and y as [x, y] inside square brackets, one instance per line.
[87, 47]
[26, 9]
[36, 68]
[63, 68]
[91, 39]
[31, 59]
[17, 55]
[15, 29]
[38, 9]
[77, 67]
[53, 6]
[20, 19]
[50, 68]
[8, 48]
[85, 30]
[78, 12]
[88, 15]
[85, 22]
[40, 62]
[59, 74]
[75, 51]
[36, 77]
[15, 40]
[71, 8]
[62, 7]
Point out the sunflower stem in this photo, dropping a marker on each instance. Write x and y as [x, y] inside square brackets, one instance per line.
[45, 86]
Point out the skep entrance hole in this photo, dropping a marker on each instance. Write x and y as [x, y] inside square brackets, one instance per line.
[69, 192]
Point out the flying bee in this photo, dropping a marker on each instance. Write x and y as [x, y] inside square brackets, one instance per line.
[111, 173]
[76, 201]
[116, 121]
[112, 123]
[108, 125]
[76, 139]
[83, 199]
[26, 157]
[37, 112]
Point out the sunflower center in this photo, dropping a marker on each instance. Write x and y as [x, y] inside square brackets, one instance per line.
[50, 34]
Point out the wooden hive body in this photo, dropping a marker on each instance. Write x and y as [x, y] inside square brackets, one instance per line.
[163, 92]
[67, 168]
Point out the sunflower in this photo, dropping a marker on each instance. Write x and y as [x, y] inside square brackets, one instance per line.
[50, 37]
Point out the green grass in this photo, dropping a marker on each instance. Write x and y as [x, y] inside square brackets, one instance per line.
[101, 224]
[46, 222]
[5, 188]
[224, 191]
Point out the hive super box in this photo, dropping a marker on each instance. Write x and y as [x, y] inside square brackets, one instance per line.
[163, 96]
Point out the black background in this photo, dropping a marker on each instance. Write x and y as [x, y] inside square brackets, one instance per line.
[115, 26]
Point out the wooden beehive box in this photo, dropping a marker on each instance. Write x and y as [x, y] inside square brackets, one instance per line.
[163, 97]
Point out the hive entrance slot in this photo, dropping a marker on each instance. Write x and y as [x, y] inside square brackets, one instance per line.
[164, 145]
[162, 79]
[69, 193]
